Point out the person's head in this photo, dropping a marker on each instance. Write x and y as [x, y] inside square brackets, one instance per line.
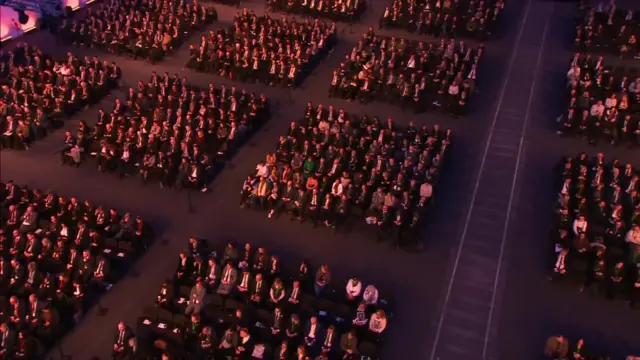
[121, 326]
[314, 320]
[244, 333]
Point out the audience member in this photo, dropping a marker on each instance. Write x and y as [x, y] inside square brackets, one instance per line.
[332, 166]
[411, 74]
[37, 92]
[608, 29]
[597, 231]
[57, 251]
[448, 19]
[336, 10]
[277, 52]
[604, 103]
[147, 29]
[171, 132]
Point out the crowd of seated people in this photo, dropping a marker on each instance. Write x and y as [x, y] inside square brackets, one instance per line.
[450, 19]
[559, 347]
[244, 303]
[37, 93]
[412, 74]
[262, 49]
[604, 102]
[337, 10]
[147, 29]
[57, 255]
[597, 229]
[332, 166]
[169, 131]
[608, 29]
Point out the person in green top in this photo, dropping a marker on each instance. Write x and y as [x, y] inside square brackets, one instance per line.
[309, 167]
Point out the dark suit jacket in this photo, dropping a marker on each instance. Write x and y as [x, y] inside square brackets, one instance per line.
[345, 344]
[333, 343]
[264, 288]
[10, 341]
[128, 334]
[320, 333]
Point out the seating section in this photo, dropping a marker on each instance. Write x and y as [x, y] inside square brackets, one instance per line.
[560, 347]
[242, 292]
[411, 74]
[608, 30]
[262, 49]
[59, 255]
[171, 132]
[604, 102]
[332, 167]
[336, 10]
[448, 19]
[144, 29]
[597, 231]
[38, 93]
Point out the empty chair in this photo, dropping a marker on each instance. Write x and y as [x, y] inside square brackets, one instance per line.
[264, 317]
[150, 312]
[165, 316]
[111, 243]
[324, 305]
[185, 292]
[368, 349]
[217, 301]
[231, 305]
[181, 321]
[125, 247]
[341, 316]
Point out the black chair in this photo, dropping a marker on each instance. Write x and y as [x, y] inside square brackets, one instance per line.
[185, 292]
[217, 302]
[181, 321]
[264, 317]
[125, 247]
[165, 316]
[150, 312]
[341, 315]
[231, 305]
[368, 350]
[111, 243]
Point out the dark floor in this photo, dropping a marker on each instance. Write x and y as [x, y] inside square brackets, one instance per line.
[530, 309]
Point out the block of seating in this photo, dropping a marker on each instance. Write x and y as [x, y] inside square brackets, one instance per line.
[597, 227]
[170, 132]
[332, 167]
[559, 347]
[244, 302]
[144, 29]
[608, 30]
[59, 255]
[604, 102]
[336, 10]
[449, 19]
[412, 74]
[38, 93]
[262, 49]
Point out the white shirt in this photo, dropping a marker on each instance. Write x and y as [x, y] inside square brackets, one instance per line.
[597, 110]
[354, 290]
[262, 170]
[633, 237]
[579, 226]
